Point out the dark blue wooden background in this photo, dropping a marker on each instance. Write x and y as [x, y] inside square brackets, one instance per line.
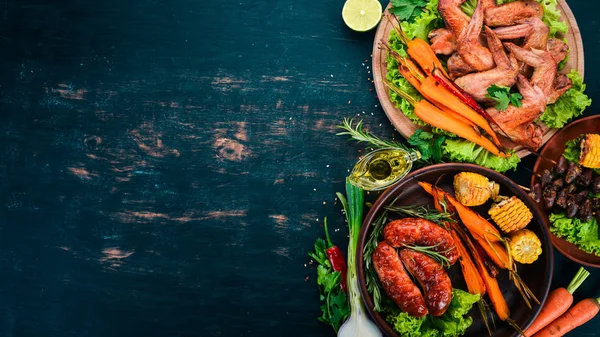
[165, 165]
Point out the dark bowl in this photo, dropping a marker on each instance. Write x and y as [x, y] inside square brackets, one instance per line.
[553, 149]
[537, 276]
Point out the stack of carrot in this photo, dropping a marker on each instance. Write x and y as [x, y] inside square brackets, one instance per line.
[485, 254]
[445, 106]
[558, 317]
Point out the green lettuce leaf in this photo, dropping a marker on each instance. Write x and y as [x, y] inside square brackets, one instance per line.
[570, 105]
[460, 150]
[452, 323]
[582, 234]
[429, 20]
[573, 149]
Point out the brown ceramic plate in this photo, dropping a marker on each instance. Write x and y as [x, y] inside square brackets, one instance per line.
[553, 150]
[537, 276]
[407, 128]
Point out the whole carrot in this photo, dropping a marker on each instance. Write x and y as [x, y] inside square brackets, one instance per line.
[578, 315]
[558, 301]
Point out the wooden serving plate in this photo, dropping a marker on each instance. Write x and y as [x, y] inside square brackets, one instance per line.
[407, 128]
[553, 150]
[538, 275]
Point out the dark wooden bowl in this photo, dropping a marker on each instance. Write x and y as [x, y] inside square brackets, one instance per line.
[553, 149]
[537, 276]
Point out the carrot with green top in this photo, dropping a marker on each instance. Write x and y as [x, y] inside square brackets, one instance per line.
[433, 116]
[557, 303]
[418, 49]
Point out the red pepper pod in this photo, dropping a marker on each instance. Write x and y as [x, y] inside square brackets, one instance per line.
[336, 258]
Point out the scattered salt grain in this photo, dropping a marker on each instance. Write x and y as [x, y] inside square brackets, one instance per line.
[327, 166]
[314, 189]
[324, 202]
[332, 75]
[375, 105]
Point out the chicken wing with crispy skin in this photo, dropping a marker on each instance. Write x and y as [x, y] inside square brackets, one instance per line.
[442, 41]
[558, 48]
[544, 70]
[510, 13]
[518, 122]
[470, 47]
[505, 73]
[456, 20]
[533, 29]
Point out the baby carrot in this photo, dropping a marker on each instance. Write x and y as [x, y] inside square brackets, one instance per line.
[579, 314]
[558, 301]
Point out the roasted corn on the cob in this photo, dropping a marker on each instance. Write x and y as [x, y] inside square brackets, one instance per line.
[510, 214]
[473, 189]
[590, 151]
[525, 246]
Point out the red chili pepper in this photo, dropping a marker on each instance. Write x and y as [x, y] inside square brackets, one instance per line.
[336, 258]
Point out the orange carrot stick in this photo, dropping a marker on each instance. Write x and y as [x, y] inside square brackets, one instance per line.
[433, 116]
[579, 314]
[474, 282]
[419, 50]
[434, 90]
[496, 252]
[476, 224]
[557, 303]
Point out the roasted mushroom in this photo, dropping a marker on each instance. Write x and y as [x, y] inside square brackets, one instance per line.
[581, 196]
[561, 199]
[596, 184]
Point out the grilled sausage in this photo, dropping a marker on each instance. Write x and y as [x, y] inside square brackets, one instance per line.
[396, 282]
[421, 232]
[432, 277]
[585, 210]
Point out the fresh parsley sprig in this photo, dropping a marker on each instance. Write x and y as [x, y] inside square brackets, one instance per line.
[335, 308]
[408, 10]
[504, 97]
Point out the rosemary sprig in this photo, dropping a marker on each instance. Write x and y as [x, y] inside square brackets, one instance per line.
[372, 280]
[428, 250]
[360, 135]
[422, 212]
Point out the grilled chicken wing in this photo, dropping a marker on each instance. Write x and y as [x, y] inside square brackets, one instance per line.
[442, 41]
[470, 48]
[557, 48]
[456, 20]
[504, 74]
[518, 123]
[544, 70]
[511, 13]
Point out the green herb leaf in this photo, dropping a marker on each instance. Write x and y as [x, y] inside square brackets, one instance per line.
[515, 99]
[327, 278]
[408, 10]
[429, 145]
[357, 133]
[320, 254]
[503, 97]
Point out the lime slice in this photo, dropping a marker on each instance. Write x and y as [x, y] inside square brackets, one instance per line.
[361, 15]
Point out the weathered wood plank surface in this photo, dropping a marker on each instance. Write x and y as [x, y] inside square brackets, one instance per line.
[165, 165]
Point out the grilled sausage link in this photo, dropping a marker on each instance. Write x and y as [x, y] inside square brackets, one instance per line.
[416, 231]
[396, 282]
[432, 277]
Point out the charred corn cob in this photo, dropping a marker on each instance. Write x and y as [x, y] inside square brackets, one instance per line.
[510, 214]
[473, 189]
[525, 246]
[590, 151]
